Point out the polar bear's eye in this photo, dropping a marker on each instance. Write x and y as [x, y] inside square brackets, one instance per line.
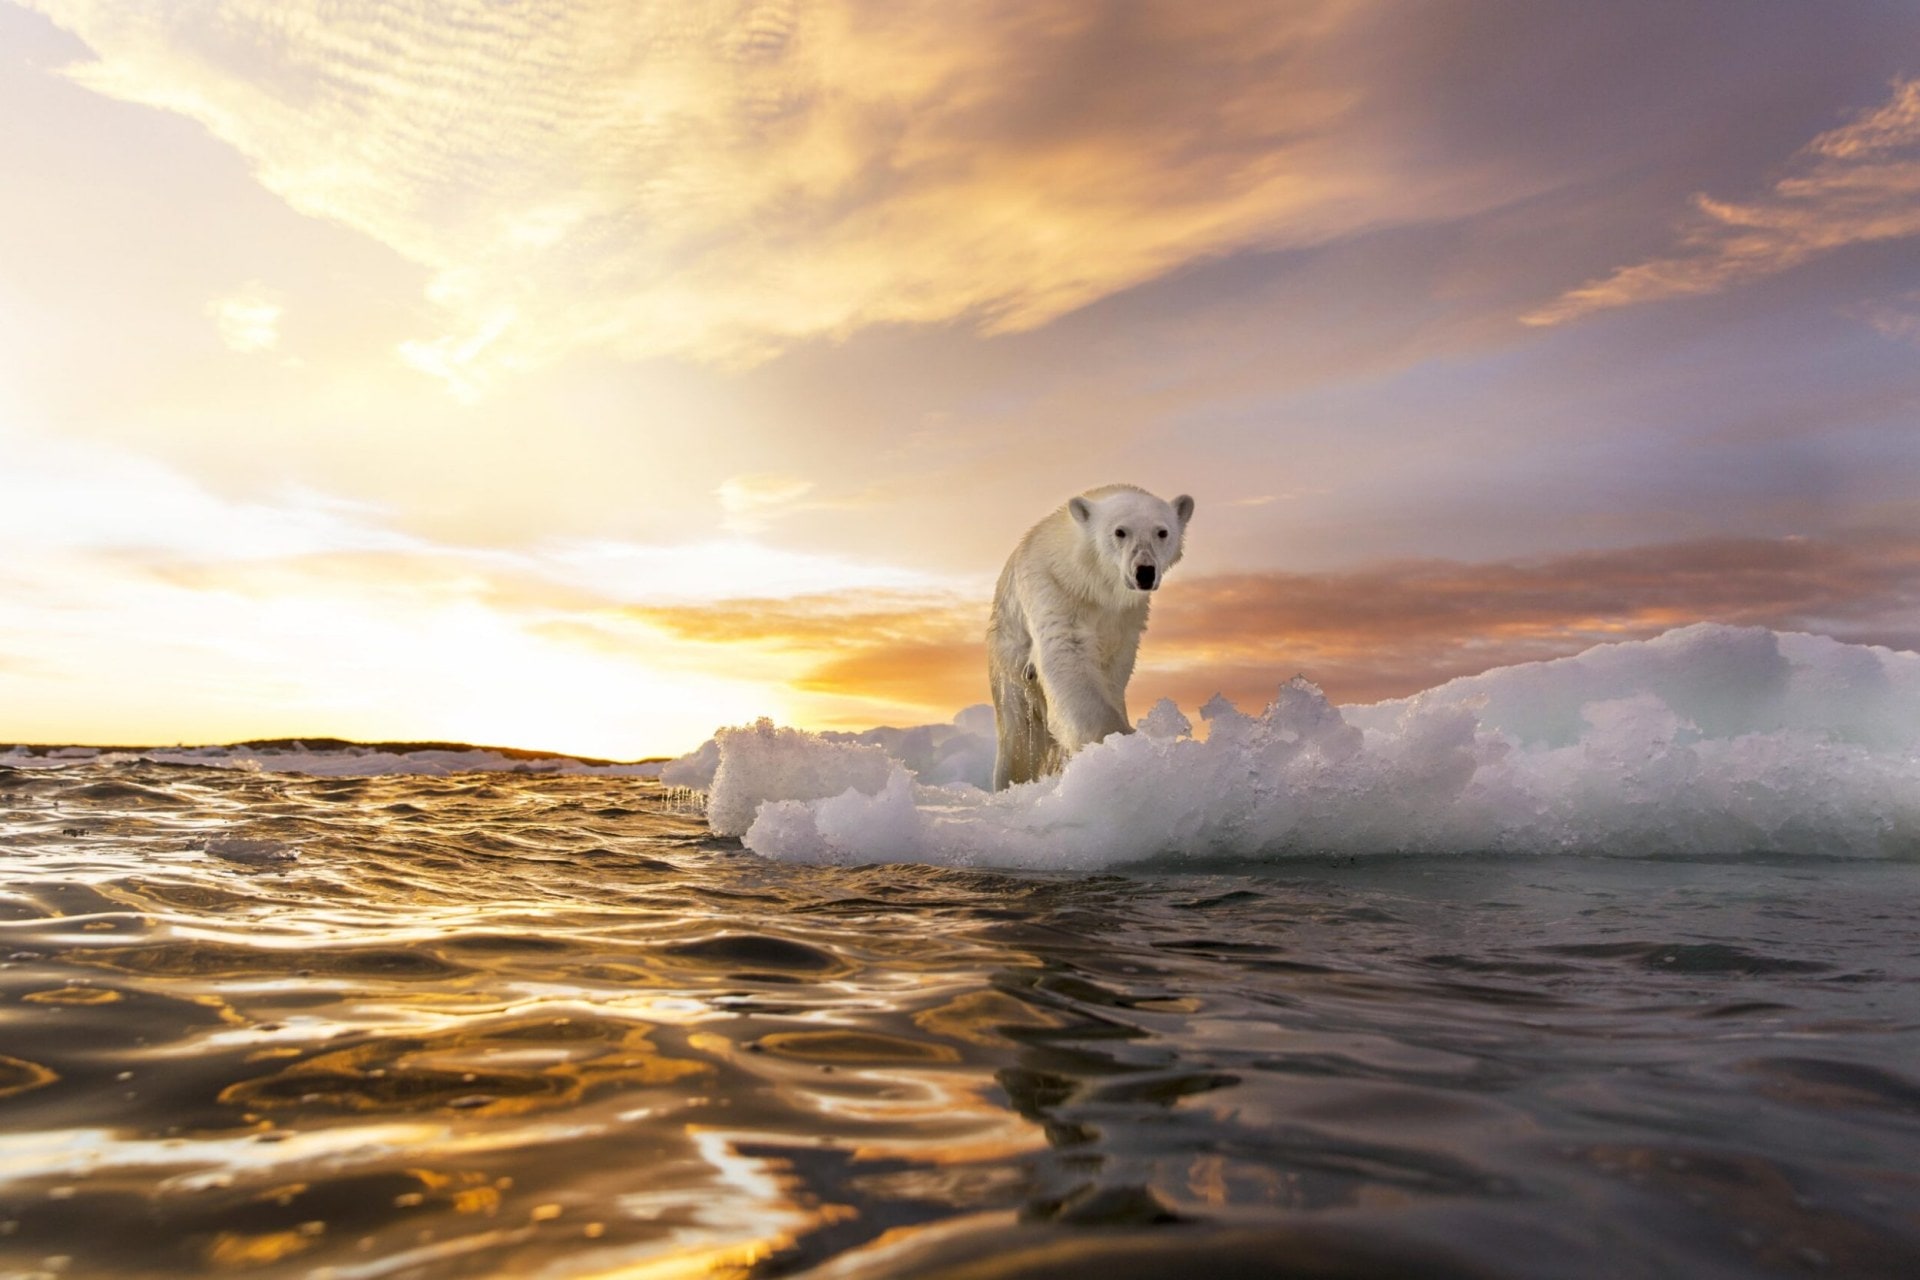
[1161, 534]
[1120, 534]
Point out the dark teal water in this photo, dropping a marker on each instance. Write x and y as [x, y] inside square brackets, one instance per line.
[548, 1026]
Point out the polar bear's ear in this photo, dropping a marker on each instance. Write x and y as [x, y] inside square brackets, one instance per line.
[1079, 509]
[1183, 507]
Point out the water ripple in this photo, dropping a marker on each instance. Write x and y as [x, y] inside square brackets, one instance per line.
[549, 1025]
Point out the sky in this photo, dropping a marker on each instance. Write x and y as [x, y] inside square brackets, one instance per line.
[584, 376]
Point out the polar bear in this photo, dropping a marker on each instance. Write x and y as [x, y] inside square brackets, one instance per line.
[1067, 618]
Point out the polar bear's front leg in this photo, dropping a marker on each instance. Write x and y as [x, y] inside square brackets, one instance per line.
[1020, 723]
[1080, 709]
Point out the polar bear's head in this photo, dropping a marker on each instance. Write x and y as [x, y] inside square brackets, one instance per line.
[1132, 536]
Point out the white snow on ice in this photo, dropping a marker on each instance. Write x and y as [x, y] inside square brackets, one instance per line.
[1708, 740]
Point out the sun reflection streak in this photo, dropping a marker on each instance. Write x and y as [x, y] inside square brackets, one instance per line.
[214, 1160]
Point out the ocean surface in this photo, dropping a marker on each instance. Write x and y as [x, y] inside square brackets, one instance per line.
[544, 1023]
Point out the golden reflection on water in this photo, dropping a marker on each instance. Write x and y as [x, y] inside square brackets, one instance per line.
[72, 995]
[400, 1045]
[230, 1249]
[498, 1069]
[712, 1262]
[547, 1027]
[854, 1048]
[981, 1017]
[17, 1075]
[880, 1089]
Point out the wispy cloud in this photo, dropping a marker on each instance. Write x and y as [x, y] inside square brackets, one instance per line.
[141, 605]
[752, 501]
[73, 495]
[1394, 629]
[719, 181]
[1856, 184]
[461, 361]
[97, 647]
[248, 320]
[303, 614]
[1378, 632]
[866, 656]
[1897, 318]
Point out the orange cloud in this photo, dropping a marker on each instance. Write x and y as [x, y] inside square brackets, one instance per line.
[118, 647]
[1853, 185]
[404, 643]
[1400, 628]
[1379, 632]
[719, 181]
[1395, 629]
[904, 659]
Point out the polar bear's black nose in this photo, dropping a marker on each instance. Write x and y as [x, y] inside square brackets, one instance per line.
[1143, 576]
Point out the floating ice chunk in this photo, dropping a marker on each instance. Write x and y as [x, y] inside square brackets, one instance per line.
[1709, 740]
[1165, 721]
[850, 826]
[937, 754]
[695, 769]
[763, 762]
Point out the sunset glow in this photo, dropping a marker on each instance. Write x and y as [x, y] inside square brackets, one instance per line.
[588, 375]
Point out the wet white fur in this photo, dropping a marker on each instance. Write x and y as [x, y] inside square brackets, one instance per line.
[1066, 625]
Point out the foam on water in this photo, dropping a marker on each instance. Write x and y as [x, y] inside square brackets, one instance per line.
[1709, 740]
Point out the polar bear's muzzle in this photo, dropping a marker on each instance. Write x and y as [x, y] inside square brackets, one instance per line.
[1146, 577]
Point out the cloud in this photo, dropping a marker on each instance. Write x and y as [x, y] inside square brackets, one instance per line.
[1393, 629]
[752, 501]
[140, 605]
[113, 648]
[870, 656]
[61, 495]
[718, 181]
[695, 571]
[460, 361]
[303, 614]
[1856, 184]
[248, 321]
[1367, 634]
[1896, 318]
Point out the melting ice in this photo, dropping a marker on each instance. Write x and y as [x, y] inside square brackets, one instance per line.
[1709, 740]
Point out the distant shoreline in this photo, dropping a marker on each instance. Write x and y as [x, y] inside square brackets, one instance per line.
[290, 745]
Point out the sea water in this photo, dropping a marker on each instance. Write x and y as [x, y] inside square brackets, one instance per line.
[1622, 978]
